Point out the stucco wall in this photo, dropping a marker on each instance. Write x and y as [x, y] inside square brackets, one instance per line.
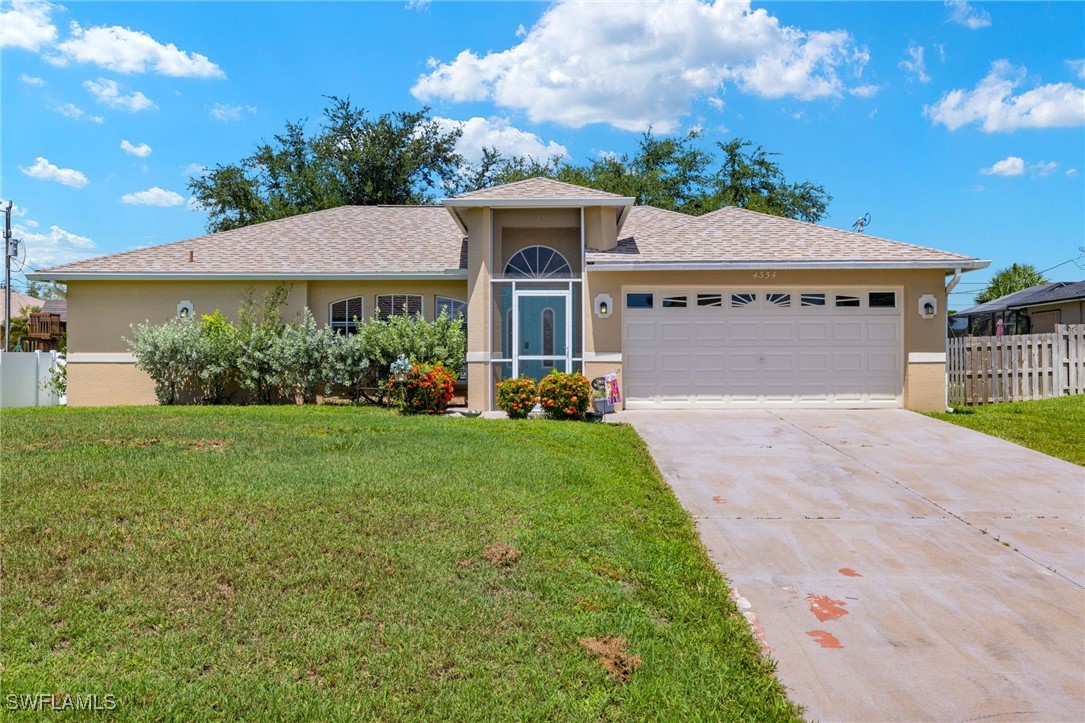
[95, 385]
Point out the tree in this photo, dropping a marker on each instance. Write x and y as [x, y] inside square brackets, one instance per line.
[672, 173]
[20, 327]
[395, 158]
[42, 290]
[1013, 278]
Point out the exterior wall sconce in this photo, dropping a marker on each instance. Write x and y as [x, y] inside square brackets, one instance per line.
[604, 305]
[185, 310]
[928, 306]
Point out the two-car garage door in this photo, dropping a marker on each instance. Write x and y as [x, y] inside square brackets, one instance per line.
[756, 347]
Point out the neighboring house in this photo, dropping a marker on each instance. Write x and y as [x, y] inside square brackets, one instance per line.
[47, 326]
[1035, 310]
[730, 309]
[21, 304]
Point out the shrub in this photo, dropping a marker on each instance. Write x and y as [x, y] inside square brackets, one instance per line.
[516, 397]
[347, 365]
[168, 353]
[565, 396]
[298, 353]
[216, 366]
[258, 328]
[427, 390]
[442, 341]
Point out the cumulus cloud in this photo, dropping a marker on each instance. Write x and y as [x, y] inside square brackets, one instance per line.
[226, 113]
[993, 105]
[865, 91]
[31, 80]
[194, 169]
[71, 110]
[963, 14]
[418, 4]
[479, 133]
[109, 93]
[56, 246]
[566, 67]
[914, 65]
[153, 196]
[27, 25]
[142, 150]
[1071, 172]
[123, 50]
[46, 171]
[1009, 166]
[1078, 66]
[1044, 168]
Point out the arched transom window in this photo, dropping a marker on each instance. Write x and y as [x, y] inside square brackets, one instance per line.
[538, 262]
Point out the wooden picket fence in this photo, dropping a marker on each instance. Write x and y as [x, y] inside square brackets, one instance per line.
[990, 369]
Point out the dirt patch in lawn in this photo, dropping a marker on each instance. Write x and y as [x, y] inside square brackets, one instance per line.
[141, 443]
[501, 555]
[202, 445]
[612, 655]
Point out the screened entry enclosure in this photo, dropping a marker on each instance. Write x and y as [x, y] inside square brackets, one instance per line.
[536, 316]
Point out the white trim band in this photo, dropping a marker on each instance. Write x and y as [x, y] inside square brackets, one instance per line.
[451, 274]
[594, 266]
[926, 357]
[85, 357]
[478, 356]
[609, 357]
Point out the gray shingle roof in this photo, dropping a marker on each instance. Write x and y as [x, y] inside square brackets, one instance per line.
[536, 188]
[739, 235]
[1032, 296]
[344, 240]
[56, 306]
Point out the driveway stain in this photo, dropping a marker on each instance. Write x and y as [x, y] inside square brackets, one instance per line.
[825, 608]
[848, 572]
[824, 639]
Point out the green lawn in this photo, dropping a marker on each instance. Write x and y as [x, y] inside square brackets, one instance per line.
[1051, 426]
[325, 563]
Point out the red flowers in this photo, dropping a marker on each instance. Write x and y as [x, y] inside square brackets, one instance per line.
[428, 389]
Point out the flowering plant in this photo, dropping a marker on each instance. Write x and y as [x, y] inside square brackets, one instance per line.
[427, 390]
[516, 397]
[565, 396]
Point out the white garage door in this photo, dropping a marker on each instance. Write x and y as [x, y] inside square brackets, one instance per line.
[734, 347]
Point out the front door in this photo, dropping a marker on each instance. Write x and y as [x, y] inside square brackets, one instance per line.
[541, 331]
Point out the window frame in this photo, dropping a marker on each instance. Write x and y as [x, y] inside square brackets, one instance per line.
[349, 326]
[439, 301]
[377, 305]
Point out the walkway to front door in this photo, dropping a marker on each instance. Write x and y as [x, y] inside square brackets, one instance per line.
[896, 567]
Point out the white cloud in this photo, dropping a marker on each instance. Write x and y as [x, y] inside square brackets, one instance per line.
[27, 25]
[568, 65]
[1071, 172]
[54, 247]
[865, 91]
[71, 110]
[521, 31]
[109, 92]
[1009, 166]
[964, 14]
[194, 169]
[226, 113]
[46, 171]
[1078, 66]
[914, 64]
[715, 102]
[142, 150]
[123, 50]
[193, 204]
[493, 132]
[1044, 168]
[418, 4]
[992, 103]
[31, 80]
[153, 196]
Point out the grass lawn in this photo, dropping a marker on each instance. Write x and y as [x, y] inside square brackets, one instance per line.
[326, 563]
[1052, 426]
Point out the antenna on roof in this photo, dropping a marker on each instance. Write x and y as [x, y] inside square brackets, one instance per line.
[861, 222]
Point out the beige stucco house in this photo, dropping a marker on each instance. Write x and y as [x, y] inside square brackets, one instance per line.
[730, 309]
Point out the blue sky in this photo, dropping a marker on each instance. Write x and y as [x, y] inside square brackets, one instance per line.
[954, 125]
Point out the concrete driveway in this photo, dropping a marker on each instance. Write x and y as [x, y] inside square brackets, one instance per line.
[896, 567]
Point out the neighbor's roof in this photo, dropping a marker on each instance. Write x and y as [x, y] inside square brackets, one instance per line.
[537, 188]
[346, 241]
[19, 303]
[1032, 296]
[738, 236]
[56, 306]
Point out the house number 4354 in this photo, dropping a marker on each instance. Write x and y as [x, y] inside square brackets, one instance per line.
[764, 274]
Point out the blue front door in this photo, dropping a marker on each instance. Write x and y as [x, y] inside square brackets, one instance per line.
[542, 340]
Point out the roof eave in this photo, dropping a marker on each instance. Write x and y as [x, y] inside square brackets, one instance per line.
[536, 202]
[47, 275]
[948, 266]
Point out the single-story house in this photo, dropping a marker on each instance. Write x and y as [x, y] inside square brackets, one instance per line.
[1035, 310]
[730, 309]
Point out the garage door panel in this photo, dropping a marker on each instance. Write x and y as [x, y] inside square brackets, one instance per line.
[763, 355]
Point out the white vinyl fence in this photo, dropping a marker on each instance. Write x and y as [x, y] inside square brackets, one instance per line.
[990, 369]
[22, 375]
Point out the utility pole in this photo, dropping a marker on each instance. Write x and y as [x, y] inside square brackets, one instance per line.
[8, 246]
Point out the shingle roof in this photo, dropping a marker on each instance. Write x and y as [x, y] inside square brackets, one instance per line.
[19, 303]
[1032, 296]
[739, 235]
[536, 188]
[56, 306]
[344, 240]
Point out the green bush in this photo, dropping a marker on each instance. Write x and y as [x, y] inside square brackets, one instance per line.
[564, 396]
[216, 366]
[168, 353]
[347, 366]
[516, 397]
[259, 326]
[298, 355]
[442, 341]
